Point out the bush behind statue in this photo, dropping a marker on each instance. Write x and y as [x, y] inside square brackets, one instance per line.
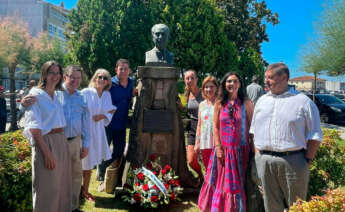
[15, 172]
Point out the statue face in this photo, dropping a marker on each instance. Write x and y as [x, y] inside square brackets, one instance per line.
[160, 37]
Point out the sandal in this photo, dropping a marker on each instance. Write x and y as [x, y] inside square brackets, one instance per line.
[87, 196]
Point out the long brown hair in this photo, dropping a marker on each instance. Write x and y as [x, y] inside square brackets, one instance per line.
[44, 73]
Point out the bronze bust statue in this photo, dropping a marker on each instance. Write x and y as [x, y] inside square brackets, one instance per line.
[159, 54]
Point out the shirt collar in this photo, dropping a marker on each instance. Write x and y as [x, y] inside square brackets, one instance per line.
[285, 94]
[66, 91]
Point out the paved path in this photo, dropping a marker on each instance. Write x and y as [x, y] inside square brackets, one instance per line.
[340, 128]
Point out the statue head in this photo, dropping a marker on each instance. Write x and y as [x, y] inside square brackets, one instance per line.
[160, 35]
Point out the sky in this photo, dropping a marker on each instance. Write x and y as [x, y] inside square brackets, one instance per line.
[286, 40]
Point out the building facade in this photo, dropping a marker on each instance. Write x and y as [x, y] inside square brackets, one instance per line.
[306, 83]
[39, 15]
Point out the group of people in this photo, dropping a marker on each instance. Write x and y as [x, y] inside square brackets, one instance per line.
[282, 128]
[71, 132]
[67, 130]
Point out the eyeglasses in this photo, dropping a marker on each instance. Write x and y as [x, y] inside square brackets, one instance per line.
[231, 111]
[232, 81]
[102, 78]
[53, 73]
[73, 78]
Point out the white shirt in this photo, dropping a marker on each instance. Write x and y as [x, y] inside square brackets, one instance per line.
[285, 122]
[45, 115]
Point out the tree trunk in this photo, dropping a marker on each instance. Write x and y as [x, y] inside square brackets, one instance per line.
[13, 104]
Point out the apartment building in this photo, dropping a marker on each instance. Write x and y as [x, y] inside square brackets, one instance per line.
[40, 16]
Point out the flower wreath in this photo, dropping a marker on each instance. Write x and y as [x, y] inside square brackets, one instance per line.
[151, 185]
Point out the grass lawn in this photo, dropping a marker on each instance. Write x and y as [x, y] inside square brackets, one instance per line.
[107, 202]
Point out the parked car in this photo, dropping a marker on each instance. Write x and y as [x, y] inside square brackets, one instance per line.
[332, 109]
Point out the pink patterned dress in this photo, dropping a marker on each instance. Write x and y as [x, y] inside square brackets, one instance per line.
[224, 185]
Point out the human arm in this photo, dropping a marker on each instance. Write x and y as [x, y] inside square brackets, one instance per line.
[85, 130]
[312, 147]
[314, 132]
[197, 137]
[27, 101]
[48, 156]
[216, 125]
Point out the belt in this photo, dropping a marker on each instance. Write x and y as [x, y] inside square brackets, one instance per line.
[71, 138]
[281, 154]
[56, 130]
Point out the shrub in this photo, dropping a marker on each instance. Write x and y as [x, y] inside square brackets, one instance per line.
[328, 168]
[15, 172]
[334, 200]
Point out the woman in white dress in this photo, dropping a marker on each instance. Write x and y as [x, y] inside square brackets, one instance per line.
[43, 126]
[101, 110]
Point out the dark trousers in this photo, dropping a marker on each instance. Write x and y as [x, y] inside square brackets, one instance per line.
[2, 124]
[118, 138]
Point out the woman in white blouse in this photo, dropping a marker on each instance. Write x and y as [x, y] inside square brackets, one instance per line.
[43, 126]
[204, 132]
[101, 110]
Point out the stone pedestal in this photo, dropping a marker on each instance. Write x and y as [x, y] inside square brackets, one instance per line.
[156, 124]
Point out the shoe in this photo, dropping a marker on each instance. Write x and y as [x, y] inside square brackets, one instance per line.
[100, 187]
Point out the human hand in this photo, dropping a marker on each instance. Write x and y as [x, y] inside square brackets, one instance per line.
[98, 117]
[28, 100]
[84, 152]
[220, 154]
[49, 160]
[197, 147]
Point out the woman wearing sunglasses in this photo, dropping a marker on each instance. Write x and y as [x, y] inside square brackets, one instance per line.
[101, 110]
[224, 185]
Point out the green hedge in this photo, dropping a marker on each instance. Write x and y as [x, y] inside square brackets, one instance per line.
[15, 172]
[328, 168]
[333, 200]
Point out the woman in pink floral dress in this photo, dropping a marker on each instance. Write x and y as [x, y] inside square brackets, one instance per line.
[224, 185]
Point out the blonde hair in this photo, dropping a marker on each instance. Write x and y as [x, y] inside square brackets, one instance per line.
[92, 83]
[211, 79]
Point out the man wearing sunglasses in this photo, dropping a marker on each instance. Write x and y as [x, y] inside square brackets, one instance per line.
[287, 134]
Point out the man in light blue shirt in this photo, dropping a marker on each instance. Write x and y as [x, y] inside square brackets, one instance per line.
[77, 128]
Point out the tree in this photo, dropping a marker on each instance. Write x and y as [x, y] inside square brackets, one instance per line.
[327, 51]
[245, 22]
[197, 36]
[45, 49]
[15, 44]
[251, 64]
[103, 31]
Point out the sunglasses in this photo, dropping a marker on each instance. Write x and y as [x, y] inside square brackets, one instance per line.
[231, 111]
[102, 78]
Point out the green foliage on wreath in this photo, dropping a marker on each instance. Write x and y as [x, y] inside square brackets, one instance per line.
[15, 172]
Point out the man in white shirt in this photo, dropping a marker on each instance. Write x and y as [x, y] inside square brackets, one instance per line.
[287, 134]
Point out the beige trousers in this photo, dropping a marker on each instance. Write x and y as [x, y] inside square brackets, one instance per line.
[77, 173]
[51, 189]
